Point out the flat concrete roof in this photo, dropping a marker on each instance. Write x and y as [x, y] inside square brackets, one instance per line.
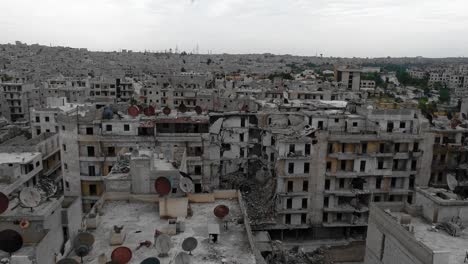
[163, 165]
[22, 158]
[38, 213]
[141, 219]
[440, 241]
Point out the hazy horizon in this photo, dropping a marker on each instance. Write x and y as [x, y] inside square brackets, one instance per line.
[225, 53]
[337, 28]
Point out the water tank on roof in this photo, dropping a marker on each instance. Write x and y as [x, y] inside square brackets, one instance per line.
[108, 113]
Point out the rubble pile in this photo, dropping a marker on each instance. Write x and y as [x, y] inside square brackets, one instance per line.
[297, 256]
[453, 228]
[122, 165]
[259, 198]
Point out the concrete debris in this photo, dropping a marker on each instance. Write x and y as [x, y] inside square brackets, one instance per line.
[298, 256]
[259, 198]
[452, 228]
[122, 165]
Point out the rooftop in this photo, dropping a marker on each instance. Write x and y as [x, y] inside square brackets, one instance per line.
[439, 241]
[141, 219]
[44, 209]
[23, 157]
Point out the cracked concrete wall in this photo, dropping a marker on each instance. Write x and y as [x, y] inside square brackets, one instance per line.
[69, 160]
[51, 244]
[317, 179]
[424, 175]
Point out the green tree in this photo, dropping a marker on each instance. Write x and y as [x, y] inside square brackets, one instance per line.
[444, 95]
[374, 76]
[285, 76]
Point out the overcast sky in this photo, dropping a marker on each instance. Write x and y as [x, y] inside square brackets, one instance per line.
[364, 28]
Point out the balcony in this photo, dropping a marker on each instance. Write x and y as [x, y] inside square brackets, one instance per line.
[354, 174]
[347, 192]
[360, 222]
[347, 208]
[91, 178]
[398, 191]
[98, 158]
[381, 154]
[295, 155]
[402, 174]
[344, 174]
[344, 155]
[289, 194]
[295, 175]
[401, 155]
[292, 211]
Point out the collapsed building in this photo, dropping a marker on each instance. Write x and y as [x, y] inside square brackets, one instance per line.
[330, 164]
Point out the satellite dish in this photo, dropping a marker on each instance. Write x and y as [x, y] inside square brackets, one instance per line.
[198, 109]
[163, 244]
[162, 186]
[189, 244]
[149, 111]
[84, 238]
[166, 110]
[121, 255]
[182, 258]
[451, 181]
[30, 197]
[82, 244]
[10, 241]
[81, 251]
[182, 108]
[186, 175]
[221, 211]
[67, 261]
[186, 185]
[133, 111]
[152, 260]
[4, 202]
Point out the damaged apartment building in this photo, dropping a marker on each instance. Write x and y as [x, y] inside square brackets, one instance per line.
[98, 136]
[34, 205]
[332, 161]
[449, 168]
[308, 169]
[14, 101]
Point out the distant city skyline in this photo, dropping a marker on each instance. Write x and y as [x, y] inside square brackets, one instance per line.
[338, 28]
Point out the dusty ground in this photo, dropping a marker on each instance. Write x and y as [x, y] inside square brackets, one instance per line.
[232, 244]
